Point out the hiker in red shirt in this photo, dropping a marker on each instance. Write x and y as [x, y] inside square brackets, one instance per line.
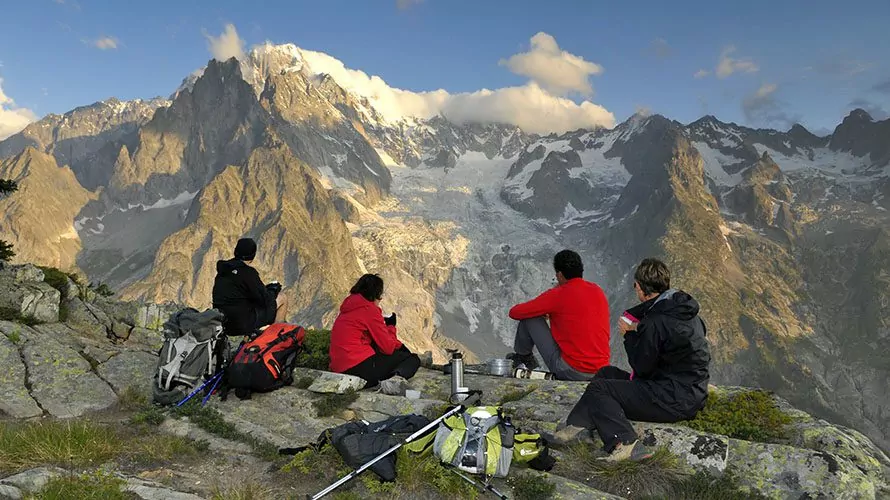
[575, 345]
[364, 342]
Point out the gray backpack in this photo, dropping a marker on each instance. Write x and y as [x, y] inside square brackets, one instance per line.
[190, 354]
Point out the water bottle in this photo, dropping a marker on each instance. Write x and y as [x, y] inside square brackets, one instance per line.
[533, 374]
[458, 391]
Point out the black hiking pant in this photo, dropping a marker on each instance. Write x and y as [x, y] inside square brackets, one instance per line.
[383, 366]
[611, 400]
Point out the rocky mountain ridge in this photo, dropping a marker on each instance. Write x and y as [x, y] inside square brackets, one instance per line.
[462, 220]
[106, 350]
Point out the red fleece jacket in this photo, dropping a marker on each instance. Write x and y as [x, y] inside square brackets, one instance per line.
[356, 331]
[579, 322]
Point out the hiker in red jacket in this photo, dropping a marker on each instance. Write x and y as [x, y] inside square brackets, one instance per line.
[575, 345]
[364, 342]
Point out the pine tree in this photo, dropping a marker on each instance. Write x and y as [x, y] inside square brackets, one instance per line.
[6, 187]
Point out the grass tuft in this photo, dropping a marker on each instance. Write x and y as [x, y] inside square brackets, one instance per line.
[651, 477]
[531, 487]
[250, 489]
[418, 476]
[702, 486]
[68, 443]
[324, 463]
[749, 415]
[150, 450]
[95, 486]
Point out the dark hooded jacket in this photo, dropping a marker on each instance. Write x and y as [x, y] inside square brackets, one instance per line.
[669, 351]
[241, 296]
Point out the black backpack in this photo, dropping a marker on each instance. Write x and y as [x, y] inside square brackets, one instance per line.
[359, 441]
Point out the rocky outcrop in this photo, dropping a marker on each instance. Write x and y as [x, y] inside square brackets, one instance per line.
[70, 370]
[38, 219]
[23, 291]
[67, 373]
[279, 201]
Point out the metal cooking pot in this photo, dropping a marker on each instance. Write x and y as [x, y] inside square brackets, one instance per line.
[500, 367]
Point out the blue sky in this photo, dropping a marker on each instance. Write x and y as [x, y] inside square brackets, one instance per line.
[783, 61]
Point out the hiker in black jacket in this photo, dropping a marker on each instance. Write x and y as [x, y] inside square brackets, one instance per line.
[668, 352]
[242, 297]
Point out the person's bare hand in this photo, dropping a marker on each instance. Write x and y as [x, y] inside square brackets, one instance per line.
[624, 327]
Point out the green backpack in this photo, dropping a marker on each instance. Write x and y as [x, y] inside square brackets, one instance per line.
[477, 441]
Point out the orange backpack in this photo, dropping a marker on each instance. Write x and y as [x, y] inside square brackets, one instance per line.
[266, 362]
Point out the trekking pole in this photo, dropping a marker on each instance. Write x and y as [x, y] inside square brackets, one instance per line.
[212, 388]
[212, 379]
[219, 378]
[483, 486]
[473, 399]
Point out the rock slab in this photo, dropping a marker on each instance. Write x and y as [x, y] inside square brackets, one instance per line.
[15, 400]
[62, 381]
[336, 383]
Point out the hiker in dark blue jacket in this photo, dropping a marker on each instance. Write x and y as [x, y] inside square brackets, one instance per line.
[239, 293]
[668, 352]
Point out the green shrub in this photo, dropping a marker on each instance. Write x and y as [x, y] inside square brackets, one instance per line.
[750, 415]
[6, 253]
[329, 405]
[316, 350]
[59, 280]
[96, 486]
[417, 474]
[68, 443]
[324, 463]
[531, 487]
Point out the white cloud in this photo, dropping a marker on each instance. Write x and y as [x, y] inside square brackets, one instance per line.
[553, 69]
[763, 108]
[227, 45]
[105, 43]
[701, 73]
[12, 118]
[728, 65]
[661, 49]
[530, 107]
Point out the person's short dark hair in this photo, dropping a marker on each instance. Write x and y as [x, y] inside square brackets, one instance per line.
[245, 249]
[370, 286]
[569, 264]
[653, 276]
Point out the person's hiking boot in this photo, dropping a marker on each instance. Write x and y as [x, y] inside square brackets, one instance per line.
[520, 360]
[567, 435]
[394, 386]
[634, 452]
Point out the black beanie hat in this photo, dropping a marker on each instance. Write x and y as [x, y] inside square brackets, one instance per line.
[245, 249]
